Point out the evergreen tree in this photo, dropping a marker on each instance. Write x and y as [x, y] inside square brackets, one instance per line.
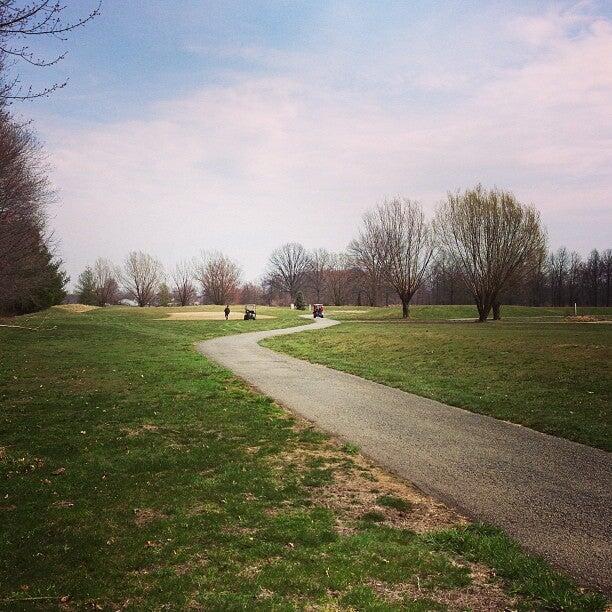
[46, 284]
[164, 297]
[86, 287]
[300, 304]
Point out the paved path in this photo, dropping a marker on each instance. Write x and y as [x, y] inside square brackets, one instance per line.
[552, 495]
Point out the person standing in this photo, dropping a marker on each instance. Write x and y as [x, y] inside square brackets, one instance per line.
[227, 312]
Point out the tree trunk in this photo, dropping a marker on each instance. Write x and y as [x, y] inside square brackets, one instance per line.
[496, 311]
[483, 311]
[405, 308]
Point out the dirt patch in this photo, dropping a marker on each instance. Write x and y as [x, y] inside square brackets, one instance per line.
[208, 316]
[482, 595]
[63, 504]
[144, 516]
[358, 487]
[331, 311]
[132, 432]
[581, 319]
[76, 308]
[198, 561]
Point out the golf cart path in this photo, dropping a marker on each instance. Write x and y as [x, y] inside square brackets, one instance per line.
[552, 495]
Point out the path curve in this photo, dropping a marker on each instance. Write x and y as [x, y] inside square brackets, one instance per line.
[552, 495]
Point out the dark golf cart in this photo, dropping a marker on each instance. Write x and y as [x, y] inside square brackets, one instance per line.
[250, 312]
[317, 311]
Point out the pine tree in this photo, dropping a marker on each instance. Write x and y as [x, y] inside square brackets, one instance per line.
[164, 297]
[86, 287]
[299, 301]
[46, 284]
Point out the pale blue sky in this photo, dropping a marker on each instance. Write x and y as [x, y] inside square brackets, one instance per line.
[240, 125]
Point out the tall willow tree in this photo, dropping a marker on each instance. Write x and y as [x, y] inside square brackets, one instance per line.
[495, 240]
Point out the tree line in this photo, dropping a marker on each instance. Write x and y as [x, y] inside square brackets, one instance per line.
[31, 277]
[482, 245]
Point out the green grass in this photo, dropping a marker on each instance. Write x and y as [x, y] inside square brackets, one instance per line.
[397, 503]
[431, 313]
[553, 377]
[135, 473]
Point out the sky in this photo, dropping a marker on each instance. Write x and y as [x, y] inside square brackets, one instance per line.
[191, 125]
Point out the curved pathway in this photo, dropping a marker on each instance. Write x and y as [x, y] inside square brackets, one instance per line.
[552, 495]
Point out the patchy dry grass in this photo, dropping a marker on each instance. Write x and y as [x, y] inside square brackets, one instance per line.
[137, 475]
[75, 308]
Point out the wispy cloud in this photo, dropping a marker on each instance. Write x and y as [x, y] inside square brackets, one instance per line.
[297, 151]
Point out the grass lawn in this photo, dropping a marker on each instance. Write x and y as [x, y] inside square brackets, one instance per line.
[135, 474]
[430, 313]
[553, 377]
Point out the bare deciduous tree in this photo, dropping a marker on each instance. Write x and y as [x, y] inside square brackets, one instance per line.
[142, 275]
[407, 246]
[340, 278]
[21, 22]
[557, 267]
[250, 293]
[606, 273]
[492, 237]
[368, 254]
[106, 276]
[318, 272]
[287, 268]
[219, 277]
[182, 282]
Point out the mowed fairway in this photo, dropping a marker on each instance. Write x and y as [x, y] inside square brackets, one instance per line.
[458, 312]
[551, 376]
[137, 474]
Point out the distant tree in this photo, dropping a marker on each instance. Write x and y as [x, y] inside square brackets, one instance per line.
[319, 262]
[606, 273]
[250, 293]
[591, 277]
[86, 287]
[22, 21]
[219, 277]
[163, 295]
[300, 303]
[142, 275]
[557, 269]
[106, 277]
[368, 254]
[287, 268]
[407, 246]
[574, 278]
[182, 282]
[340, 278]
[492, 237]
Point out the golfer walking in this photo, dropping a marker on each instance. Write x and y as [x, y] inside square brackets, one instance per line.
[227, 312]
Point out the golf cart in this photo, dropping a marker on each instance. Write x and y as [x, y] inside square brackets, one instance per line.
[317, 311]
[250, 312]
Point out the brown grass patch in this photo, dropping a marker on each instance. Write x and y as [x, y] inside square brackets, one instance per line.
[482, 595]
[144, 516]
[357, 485]
[198, 561]
[63, 504]
[76, 308]
[341, 311]
[133, 432]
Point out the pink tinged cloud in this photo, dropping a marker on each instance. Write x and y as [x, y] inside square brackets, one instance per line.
[248, 165]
